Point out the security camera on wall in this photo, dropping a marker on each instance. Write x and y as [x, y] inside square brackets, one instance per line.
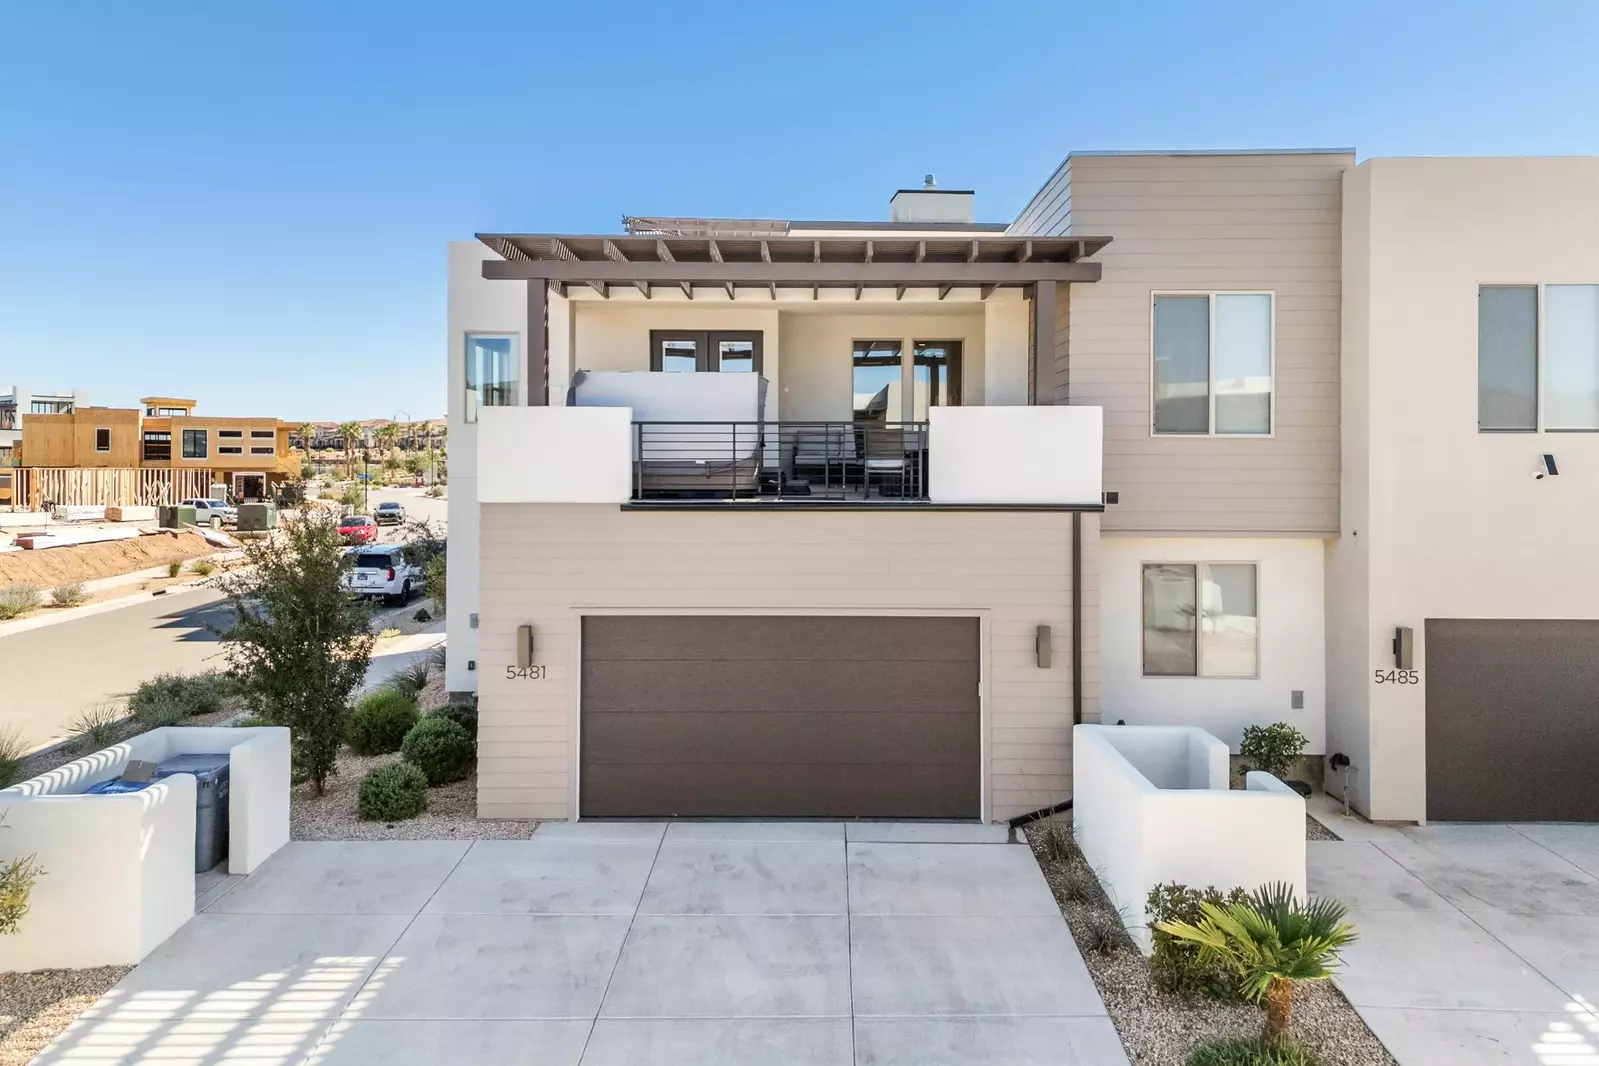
[1546, 468]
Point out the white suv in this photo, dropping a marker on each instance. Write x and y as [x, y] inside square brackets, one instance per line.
[205, 510]
[382, 570]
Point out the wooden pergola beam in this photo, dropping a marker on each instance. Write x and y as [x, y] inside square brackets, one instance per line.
[666, 257]
[615, 254]
[799, 274]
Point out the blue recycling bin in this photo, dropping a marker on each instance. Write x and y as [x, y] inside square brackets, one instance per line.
[116, 787]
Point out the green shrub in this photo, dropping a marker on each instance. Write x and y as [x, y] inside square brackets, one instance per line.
[380, 721]
[174, 568]
[69, 595]
[13, 754]
[96, 727]
[16, 884]
[203, 567]
[1247, 1051]
[463, 715]
[17, 600]
[254, 721]
[167, 699]
[1178, 966]
[436, 572]
[412, 679]
[393, 793]
[440, 748]
[1274, 748]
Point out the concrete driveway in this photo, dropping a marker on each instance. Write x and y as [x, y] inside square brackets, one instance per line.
[694, 944]
[1479, 943]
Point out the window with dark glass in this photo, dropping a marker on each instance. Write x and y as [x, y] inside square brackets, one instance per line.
[194, 444]
[263, 434]
[102, 440]
[231, 434]
[157, 447]
[230, 449]
[683, 351]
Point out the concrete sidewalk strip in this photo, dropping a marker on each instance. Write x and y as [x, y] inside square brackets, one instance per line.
[554, 876]
[962, 1041]
[747, 877]
[432, 1041]
[346, 877]
[719, 1042]
[947, 879]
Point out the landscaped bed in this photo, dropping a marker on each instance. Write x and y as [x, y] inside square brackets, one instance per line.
[35, 1007]
[1162, 1029]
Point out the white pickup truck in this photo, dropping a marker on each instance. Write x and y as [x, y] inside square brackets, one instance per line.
[382, 570]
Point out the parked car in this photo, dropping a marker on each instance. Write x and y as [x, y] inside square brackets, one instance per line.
[205, 510]
[389, 511]
[358, 528]
[383, 571]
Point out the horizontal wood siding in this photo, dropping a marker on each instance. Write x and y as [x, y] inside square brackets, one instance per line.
[1206, 222]
[545, 565]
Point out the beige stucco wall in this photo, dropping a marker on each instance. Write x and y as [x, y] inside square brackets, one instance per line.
[1204, 222]
[1440, 521]
[545, 565]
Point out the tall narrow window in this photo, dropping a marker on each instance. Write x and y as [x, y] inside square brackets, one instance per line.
[1507, 357]
[1213, 364]
[1571, 357]
[1201, 620]
[935, 376]
[1182, 364]
[102, 440]
[876, 381]
[491, 373]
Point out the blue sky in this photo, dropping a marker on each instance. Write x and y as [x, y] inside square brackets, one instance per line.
[248, 202]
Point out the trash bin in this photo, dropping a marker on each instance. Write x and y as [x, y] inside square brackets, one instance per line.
[210, 801]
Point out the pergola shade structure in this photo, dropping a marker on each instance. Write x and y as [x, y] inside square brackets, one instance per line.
[558, 261]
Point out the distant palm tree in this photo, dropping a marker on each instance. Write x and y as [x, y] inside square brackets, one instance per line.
[388, 435]
[350, 438]
[1272, 941]
[307, 432]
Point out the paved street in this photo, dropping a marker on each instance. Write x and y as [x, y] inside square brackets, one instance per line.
[616, 944]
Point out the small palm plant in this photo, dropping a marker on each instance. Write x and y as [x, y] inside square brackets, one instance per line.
[1273, 941]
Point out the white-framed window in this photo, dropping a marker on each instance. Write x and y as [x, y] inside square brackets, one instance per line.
[1537, 358]
[256, 449]
[230, 449]
[1201, 619]
[231, 434]
[263, 434]
[102, 439]
[491, 372]
[1212, 363]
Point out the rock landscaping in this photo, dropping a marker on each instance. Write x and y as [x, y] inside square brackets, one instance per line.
[1164, 1029]
[35, 1007]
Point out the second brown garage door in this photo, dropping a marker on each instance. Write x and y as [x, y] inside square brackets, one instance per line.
[1512, 720]
[780, 717]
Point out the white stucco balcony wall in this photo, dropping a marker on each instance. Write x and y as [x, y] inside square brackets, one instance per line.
[1015, 455]
[1152, 805]
[119, 870]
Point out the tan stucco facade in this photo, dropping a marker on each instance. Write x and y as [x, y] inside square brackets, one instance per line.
[1439, 520]
[548, 565]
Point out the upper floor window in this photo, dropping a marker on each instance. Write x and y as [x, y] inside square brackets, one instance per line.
[1200, 620]
[491, 377]
[102, 439]
[157, 447]
[1537, 358]
[676, 351]
[262, 434]
[166, 412]
[262, 450]
[229, 449]
[194, 444]
[1213, 363]
[230, 434]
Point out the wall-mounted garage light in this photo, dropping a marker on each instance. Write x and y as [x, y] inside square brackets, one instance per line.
[524, 646]
[1041, 647]
[1404, 648]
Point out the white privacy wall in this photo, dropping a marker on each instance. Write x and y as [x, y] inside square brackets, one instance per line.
[1015, 455]
[594, 445]
[1151, 805]
[1292, 635]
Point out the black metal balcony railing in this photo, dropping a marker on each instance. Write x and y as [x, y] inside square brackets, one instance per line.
[780, 461]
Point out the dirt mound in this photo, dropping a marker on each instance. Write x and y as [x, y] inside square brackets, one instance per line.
[49, 567]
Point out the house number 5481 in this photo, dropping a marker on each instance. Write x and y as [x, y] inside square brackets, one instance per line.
[525, 673]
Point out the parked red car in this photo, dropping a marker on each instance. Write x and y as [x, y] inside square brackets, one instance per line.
[358, 529]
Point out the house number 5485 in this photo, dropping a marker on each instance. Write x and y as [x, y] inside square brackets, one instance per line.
[525, 673]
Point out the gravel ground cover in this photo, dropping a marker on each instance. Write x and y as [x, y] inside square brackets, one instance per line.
[34, 1007]
[1158, 1029]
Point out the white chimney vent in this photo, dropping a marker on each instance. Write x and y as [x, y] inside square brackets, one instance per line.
[931, 204]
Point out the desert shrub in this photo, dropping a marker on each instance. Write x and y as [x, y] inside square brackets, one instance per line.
[1100, 932]
[13, 754]
[350, 499]
[17, 600]
[69, 595]
[167, 699]
[1247, 1051]
[1052, 837]
[436, 572]
[434, 492]
[393, 793]
[174, 568]
[440, 748]
[96, 727]
[16, 885]
[411, 679]
[203, 567]
[1274, 748]
[254, 721]
[463, 715]
[422, 615]
[380, 720]
[1178, 966]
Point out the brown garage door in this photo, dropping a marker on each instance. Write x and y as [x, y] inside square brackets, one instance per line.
[780, 717]
[1512, 720]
